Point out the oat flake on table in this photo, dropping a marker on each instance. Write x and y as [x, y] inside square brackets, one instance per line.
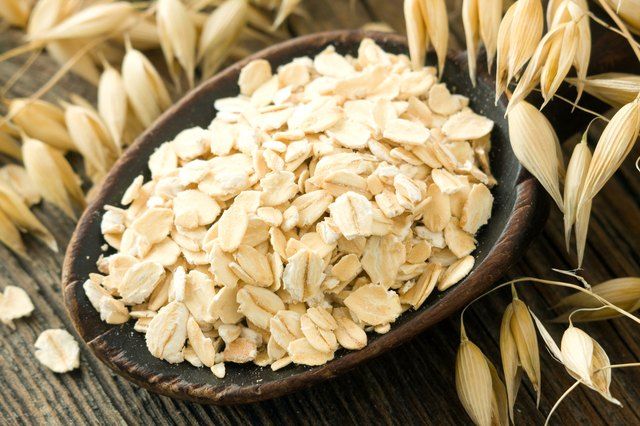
[318, 205]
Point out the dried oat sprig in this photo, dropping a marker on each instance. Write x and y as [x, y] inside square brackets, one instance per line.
[178, 38]
[616, 89]
[535, 144]
[622, 292]
[53, 176]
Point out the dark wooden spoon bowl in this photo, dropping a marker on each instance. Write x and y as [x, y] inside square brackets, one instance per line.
[519, 212]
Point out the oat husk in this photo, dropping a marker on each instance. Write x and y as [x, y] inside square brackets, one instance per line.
[53, 176]
[576, 174]
[536, 145]
[112, 104]
[616, 89]
[416, 32]
[284, 10]
[434, 14]
[177, 34]
[41, 120]
[622, 292]
[9, 146]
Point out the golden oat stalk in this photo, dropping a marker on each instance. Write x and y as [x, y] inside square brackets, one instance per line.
[616, 89]
[53, 176]
[177, 38]
[536, 145]
[622, 292]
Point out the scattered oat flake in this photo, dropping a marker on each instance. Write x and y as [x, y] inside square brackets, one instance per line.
[58, 350]
[14, 303]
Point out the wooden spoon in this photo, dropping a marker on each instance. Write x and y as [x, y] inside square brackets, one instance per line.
[518, 215]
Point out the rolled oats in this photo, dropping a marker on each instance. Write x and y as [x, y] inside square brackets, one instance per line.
[331, 195]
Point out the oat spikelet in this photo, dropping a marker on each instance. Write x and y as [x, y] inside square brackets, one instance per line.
[524, 334]
[576, 173]
[17, 178]
[525, 32]
[10, 235]
[475, 383]
[622, 292]
[536, 145]
[490, 13]
[143, 35]
[15, 209]
[616, 89]
[9, 146]
[41, 120]
[92, 139]
[472, 34]
[509, 356]
[284, 10]
[93, 21]
[15, 12]
[416, 32]
[145, 89]
[220, 31]
[629, 11]
[585, 360]
[112, 103]
[43, 169]
[436, 21]
[177, 38]
[46, 14]
[614, 145]
[576, 11]
[502, 51]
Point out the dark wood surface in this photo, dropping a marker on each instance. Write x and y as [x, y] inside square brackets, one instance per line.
[411, 384]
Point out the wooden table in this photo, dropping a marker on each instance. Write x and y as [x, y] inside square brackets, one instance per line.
[411, 384]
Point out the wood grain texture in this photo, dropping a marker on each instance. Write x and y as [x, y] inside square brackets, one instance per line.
[411, 384]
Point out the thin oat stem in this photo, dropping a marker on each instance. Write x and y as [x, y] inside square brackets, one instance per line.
[17, 51]
[575, 105]
[626, 365]
[613, 15]
[585, 310]
[553, 283]
[607, 26]
[564, 395]
[23, 68]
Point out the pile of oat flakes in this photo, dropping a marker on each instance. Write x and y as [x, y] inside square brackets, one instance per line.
[321, 203]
